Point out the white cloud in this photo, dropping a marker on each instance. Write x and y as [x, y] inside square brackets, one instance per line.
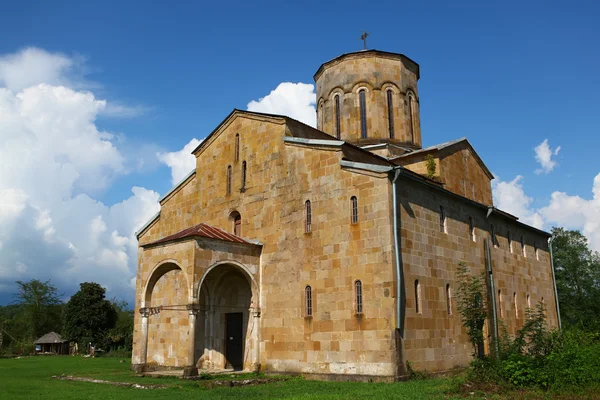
[575, 212]
[543, 155]
[32, 66]
[181, 162]
[569, 211]
[510, 197]
[54, 158]
[296, 100]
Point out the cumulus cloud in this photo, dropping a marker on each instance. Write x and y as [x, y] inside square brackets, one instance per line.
[569, 211]
[575, 212]
[32, 66]
[543, 155]
[54, 160]
[181, 162]
[296, 100]
[510, 197]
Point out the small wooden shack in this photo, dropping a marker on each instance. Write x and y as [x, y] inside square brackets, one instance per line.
[52, 343]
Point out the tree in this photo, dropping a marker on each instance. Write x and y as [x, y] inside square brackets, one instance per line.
[41, 306]
[577, 270]
[121, 336]
[88, 316]
[472, 306]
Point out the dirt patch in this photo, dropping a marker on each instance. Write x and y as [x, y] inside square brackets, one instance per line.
[209, 384]
[120, 384]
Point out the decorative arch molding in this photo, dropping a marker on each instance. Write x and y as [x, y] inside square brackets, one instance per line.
[392, 86]
[336, 90]
[164, 266]
[362, 85]
[241, 267]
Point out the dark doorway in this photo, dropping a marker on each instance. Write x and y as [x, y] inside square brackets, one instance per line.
[234, 353]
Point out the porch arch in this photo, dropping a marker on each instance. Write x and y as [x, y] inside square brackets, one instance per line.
[159, 270]
[228, 333]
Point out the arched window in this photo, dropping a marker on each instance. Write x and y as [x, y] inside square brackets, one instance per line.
[308, 301]
[500, 304]
[443, 220]
[362, 94]
[354, 205]
[237, 147]
[358, 296]
[529, 302]
[536, 251]
[390, 109]
[236, 218]
[418, 305]
[448, 299]
[409, 112]
[523, 251]
[307, 217]
[338, 127]
[493, 235]
[509, 236]
[516, 304]
[243, 176]
[320, 116]
[229, 179]
[471, 229]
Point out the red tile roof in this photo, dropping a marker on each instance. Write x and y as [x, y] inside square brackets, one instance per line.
[202, 230]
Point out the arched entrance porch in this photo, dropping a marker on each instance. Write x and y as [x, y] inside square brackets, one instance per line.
[228, 328]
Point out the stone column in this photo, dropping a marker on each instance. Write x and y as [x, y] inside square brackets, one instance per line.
[255, 312]
[191, 369]
[139, 368]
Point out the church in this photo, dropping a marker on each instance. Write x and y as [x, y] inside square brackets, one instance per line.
[331, 252]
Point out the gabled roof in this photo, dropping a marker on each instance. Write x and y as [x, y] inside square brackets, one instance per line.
[201, 230]
[51, 337]
[447, 145]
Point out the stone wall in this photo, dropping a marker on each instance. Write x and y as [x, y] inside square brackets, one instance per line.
[434, 339]
[336, 253]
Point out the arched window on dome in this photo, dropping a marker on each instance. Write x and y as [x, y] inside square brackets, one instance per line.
[362, 98]
[410, 109]
[237, 147]
[320, 115]
[338, 127]
[390, 110]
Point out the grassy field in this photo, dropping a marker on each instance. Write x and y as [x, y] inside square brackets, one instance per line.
[31, 378]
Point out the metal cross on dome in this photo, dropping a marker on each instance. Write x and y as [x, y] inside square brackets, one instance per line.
[363, 37]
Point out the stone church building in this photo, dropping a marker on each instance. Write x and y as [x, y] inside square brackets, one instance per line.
[331, 252]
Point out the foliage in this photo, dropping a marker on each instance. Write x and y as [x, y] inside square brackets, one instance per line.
[538, 357]
[40, 305]
[472, 307]
[431, 166]
[577, 278]
[88, 316]
[119, 339]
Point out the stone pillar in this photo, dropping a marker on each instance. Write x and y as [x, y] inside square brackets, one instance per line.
[255, 312]
[139, 368]
[190, 369]
[211, 337]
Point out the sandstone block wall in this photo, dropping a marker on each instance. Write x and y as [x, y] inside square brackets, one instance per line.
[434, 339]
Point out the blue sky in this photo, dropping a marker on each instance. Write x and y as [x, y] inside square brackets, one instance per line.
[506, 75]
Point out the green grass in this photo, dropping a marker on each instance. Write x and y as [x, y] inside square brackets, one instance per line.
[30, 378]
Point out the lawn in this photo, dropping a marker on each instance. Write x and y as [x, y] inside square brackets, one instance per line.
[30, 378]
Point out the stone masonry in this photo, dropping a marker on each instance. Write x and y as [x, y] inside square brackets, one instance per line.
[280, 252]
